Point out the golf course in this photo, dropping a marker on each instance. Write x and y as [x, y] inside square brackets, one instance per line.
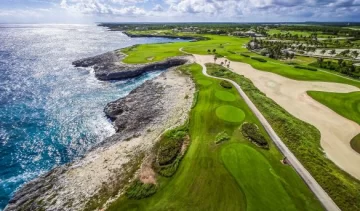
[304, 140]
[235, 174]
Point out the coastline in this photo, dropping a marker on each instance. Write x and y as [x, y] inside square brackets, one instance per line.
[139, 118]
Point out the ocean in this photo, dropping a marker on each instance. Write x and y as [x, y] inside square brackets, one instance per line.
[51, 112]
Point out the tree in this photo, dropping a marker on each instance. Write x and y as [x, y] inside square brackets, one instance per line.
[214, 50]
[332, 52]
[323, 51]
[215, 58]
[209, 51]
[222, 63]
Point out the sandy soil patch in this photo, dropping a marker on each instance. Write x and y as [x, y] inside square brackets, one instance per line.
[336, 131]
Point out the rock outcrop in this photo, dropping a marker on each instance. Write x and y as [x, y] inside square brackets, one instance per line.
[108, 66]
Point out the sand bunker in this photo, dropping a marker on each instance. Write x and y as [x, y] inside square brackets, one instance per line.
[336, 131]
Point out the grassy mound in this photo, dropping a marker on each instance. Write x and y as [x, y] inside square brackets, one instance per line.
[355, 143]
[251, 131]
[345, 104]
[225, 96]
[230, 113]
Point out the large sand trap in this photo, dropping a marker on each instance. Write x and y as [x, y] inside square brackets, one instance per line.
[336, 131]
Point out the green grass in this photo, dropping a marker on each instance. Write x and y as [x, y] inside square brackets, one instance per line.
[345, 104]
[248, 167]
[303, 140]
[206, 178]
[230, 113]
[355, 143]
[225, 96]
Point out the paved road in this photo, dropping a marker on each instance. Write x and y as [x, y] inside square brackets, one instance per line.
[320, 193]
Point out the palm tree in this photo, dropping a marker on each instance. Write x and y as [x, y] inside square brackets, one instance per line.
[323, 51]
[332, 52]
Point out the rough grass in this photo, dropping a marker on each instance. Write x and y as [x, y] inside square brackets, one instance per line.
[345, 104]
[355, 143]
[303, 140]
[203, 182]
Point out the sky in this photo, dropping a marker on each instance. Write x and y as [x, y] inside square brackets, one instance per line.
[90, 11]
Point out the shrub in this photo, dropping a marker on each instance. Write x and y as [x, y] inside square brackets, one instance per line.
[170, 146]
[251, 131]
[245, 55]
[292, 63]
[258, 59]
[223, 136]
[305, 68]
[226, 84]
[139, 190]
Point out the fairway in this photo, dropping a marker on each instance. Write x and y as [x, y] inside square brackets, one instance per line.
[345, 104]
[355, 143]
[256, 177]
[204, 181]
[230, 113]
[225, 96]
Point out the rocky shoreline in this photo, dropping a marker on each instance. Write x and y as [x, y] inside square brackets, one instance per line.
[139, 118]
[108, 66]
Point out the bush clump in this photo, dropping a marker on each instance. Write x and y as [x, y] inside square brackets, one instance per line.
[170, 146]
[245, 55]
[226, 84]
[251, 131]
[259, 59]
[305, 68]
[221, 137]
[139, 190]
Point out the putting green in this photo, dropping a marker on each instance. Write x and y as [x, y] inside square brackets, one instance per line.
[204, 82]
[230, 113]
[355, 143]
[225, 96]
